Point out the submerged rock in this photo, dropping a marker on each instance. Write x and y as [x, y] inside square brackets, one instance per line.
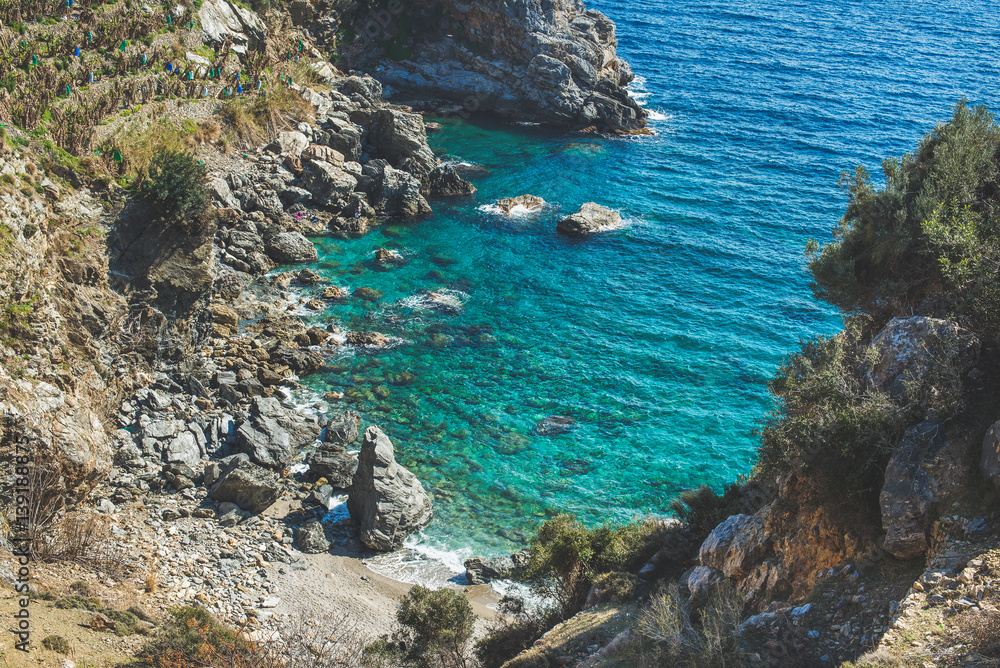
[589, 219]
[555, 424]
[385, 499]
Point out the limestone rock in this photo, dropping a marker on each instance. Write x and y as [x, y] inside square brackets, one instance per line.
[589, 219]
[290, 143]
[249, 486]
[920, 347]
[290, 248]
[541, 60]
[342, 428]
[273, 434]
[299, 360]
[401, 138]
[395, 192]
[385, 499]
[223, 20]
[735, 546]
[909, 490]
[479, 570]
[329, 184]
[702, 580]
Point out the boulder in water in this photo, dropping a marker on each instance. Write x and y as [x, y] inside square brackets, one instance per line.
[589, 219]
[529, 202]
[445, 181]
[385, 499]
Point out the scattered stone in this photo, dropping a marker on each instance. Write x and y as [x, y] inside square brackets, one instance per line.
[249, 486]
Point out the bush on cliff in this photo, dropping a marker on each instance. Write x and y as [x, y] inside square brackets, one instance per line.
[566, 558]
[176, 185]
[434, 632]
[928, 239]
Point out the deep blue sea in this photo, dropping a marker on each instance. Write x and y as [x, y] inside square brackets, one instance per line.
[658, 339]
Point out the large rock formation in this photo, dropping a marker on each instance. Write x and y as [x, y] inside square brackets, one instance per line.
[331, 460]
[386, 500]
[909, 490]
[546, 60]
[735, 546]
[273, 434]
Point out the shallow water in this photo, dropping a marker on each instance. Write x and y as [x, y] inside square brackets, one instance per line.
[657, 338]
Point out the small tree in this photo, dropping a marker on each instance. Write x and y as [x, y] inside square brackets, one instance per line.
[176, 185]
[435, 628]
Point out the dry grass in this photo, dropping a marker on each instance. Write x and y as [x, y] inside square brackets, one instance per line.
[251, 122]
[139, 145]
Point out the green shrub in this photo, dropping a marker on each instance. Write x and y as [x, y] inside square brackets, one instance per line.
[435, 628]
[830, 419]
[932, 231]
[702, 509]
[56, 644]
[176, 185]
[565, 557]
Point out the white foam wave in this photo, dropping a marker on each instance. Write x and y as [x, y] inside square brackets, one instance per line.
[438, 300]
[655, 115]
[337, 509]
[419, 562]
[519, 211]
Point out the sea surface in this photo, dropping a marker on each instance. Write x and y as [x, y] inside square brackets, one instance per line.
[657, 338]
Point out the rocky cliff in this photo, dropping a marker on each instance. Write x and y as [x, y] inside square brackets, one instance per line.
[531, 60]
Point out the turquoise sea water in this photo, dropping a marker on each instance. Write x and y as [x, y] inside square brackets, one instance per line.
[658, 338]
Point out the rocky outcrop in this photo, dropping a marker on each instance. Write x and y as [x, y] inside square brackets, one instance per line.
[251, 487]
[311, 538]
[331, 460]
[385, 499]
[401, 138]
[395, 192]
[445, 181]
[291, 248]
[589, 219]
[735, 546]
[919, 347]
[529, 202]
[531, 60]
[273, 435]
[910, 488]
[479, 570]
[224, 21]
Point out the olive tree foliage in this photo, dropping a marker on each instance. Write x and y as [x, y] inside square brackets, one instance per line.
[930, 235]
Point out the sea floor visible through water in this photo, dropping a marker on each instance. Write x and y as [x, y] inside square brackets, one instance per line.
[657, 338]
